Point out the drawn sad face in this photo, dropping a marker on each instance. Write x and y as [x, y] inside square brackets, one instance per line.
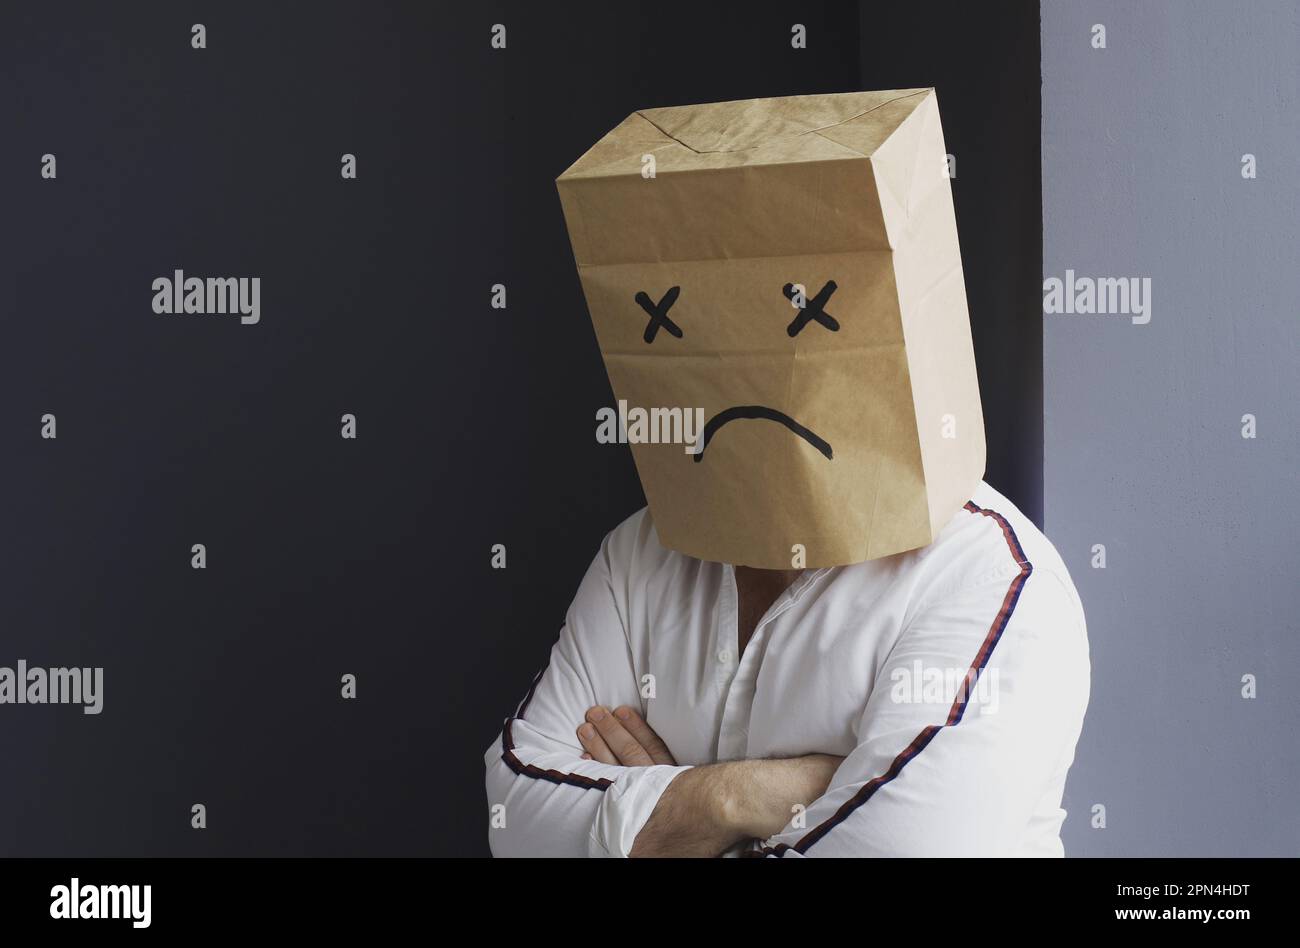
[814, 309]
[799, 367]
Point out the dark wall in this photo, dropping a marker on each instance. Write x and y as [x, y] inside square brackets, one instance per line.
[328, 556]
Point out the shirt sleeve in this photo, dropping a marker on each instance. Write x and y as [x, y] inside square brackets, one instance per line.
[544, 799]
[959, 768]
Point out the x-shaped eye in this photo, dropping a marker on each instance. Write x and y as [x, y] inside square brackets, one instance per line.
[659, 313]
[811, 309]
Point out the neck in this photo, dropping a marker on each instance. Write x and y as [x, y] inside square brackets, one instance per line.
[778, 579]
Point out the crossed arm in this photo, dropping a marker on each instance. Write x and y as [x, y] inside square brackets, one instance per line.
[705, 810]
[614, 788]
[924, 779]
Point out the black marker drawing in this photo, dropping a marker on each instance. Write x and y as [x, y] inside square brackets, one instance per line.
[759, 411]
[659, 313]
[812, 309]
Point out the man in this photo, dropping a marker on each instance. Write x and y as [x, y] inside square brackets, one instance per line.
[897, 663]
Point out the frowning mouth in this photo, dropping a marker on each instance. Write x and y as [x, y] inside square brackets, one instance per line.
[758, 411]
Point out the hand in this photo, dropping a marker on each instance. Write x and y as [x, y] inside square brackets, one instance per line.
[621, 738]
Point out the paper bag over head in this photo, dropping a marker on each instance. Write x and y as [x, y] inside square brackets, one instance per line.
[791, 267]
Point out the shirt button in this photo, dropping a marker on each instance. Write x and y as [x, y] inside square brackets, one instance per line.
[724, 656]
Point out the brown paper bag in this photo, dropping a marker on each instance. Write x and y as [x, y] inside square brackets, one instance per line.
[842, 430]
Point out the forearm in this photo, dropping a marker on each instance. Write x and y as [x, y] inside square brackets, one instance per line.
[696, 815]
[707, 810]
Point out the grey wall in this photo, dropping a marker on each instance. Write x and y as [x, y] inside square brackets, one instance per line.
[1142, 152]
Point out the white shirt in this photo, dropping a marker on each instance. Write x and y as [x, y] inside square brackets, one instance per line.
[865, 661]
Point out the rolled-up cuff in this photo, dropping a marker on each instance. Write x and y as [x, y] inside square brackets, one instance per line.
[626, 806]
